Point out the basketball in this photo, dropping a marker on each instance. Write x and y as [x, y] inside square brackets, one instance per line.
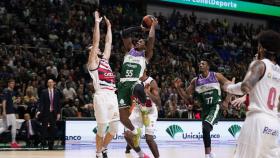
[147, 21]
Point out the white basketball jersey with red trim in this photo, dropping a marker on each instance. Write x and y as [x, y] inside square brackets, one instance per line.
[265, 94]
[146, 82]
[103, 77]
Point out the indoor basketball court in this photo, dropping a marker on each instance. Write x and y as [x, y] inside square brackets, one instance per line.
[168, 78]
[186, 152]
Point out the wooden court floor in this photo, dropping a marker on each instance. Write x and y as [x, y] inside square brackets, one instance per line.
[192, 152]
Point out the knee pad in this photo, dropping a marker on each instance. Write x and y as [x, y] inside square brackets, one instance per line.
[207, 127]
[113, 127]
[138, 92]
[101, 129]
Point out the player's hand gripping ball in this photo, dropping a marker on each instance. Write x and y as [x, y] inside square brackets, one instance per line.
[147, 21]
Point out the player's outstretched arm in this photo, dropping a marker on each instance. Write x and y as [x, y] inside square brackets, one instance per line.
[224, 81]
[238, 101]
[254, 74]
[152, 91]
[108, 40]
[92, 58]
[125, 34]
[151, 40]
[184, 94]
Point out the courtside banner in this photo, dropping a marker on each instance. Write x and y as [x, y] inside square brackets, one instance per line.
[168, 133]
[233, 5]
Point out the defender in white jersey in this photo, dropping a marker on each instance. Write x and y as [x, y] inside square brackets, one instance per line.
[147, 115]
[105, 100]
[260, 131]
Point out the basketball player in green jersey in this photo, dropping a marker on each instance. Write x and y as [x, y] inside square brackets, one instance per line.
[133, 67]
[206, 87]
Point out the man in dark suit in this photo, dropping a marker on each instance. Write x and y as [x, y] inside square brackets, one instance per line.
[30, 131]
[49, 112]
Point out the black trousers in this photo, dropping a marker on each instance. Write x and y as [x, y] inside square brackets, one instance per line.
[32, 141]
[49, 129]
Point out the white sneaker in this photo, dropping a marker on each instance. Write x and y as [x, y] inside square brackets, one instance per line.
[128, 155]
[212, 155]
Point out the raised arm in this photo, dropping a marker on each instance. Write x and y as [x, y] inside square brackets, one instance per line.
[108, 40]
[151, 40]
[153, 92]
[254, 74]
[125, 34]
[184, 94]
[93, 58]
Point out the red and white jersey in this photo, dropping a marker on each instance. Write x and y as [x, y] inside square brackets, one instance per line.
[149, 101]
[264, 96]
[103, 77]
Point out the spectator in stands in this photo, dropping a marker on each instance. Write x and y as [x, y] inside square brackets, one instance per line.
[69, 110]
[69, 92]
[172, 105]
[31, 101]
[86, 110]
[52, 69]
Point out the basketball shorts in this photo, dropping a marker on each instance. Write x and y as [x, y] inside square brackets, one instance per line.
[106, 106]
[137, 121]
[259, 137]
[125, 93]
[211, 115]
[9, 120]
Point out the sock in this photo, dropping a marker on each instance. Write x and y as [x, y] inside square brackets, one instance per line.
[99, 155]
[212, 155]
[207, 155]
[135, 132]
[140, 153]
[103, 148]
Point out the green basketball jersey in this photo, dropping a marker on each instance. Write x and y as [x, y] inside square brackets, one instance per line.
[208, 91]
[133, 66]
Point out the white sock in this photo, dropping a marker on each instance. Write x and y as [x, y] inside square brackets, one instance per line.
[104, 149]
[98, 154]
[140, 153]
[207, 155]
[134, 131]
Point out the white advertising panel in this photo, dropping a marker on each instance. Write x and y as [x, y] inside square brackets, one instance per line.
[168, 133]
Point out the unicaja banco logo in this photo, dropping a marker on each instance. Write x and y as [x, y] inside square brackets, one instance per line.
[234, 129]
[172, 130]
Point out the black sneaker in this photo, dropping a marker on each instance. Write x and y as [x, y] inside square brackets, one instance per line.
[127, 149]
[104, 153]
